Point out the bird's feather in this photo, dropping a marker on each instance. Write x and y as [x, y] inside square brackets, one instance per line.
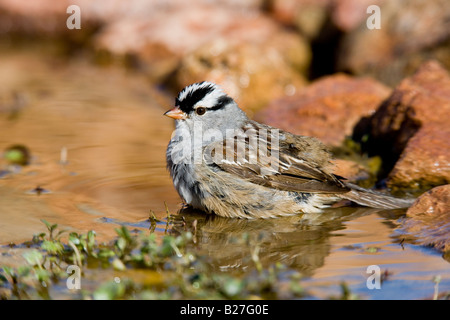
[281, 165]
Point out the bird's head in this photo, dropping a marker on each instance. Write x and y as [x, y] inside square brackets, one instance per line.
[207, 104]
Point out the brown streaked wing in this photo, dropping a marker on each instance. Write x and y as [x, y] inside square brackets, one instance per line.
[284, 172]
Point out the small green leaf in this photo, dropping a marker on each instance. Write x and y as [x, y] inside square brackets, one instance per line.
[52, 247]
[118, 264]
[23, 271]
[91, 240]
[74, 238]
[49, 226]
[109, 291]
[9, 271]
[43, 275]
[33, 257]
[60, 233]
[121, 244]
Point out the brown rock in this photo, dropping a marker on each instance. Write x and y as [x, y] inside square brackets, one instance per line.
[425, 160]
[349, 14]
[428, 219]
[228, 42]
[308, 16]
[411, 126]
[180, 26]
[39, 17]
[327, 109]
[411, 33]
[42, 19]
[160, 34]
[350, 170]
[252, 71]
[155, 34]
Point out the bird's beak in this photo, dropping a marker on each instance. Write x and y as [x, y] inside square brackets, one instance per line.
[176, 113]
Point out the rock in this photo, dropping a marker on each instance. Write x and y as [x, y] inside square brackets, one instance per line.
[310, 16]
[327, 109]
[410, 130]
[352, 171]
[255, 62]
[428, 219]
[207, 39]
[180, 26]
[241, 48]
[425, 161]
[44, 19]
[39, 17]
[307, 16]
[347, 15]
[154, 34]
[411, 32]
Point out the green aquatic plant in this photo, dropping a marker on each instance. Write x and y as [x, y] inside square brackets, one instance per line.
[142, 266]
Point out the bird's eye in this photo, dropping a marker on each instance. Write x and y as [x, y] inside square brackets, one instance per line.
[200, 111]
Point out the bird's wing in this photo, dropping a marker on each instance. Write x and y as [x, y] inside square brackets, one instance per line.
[276, 165]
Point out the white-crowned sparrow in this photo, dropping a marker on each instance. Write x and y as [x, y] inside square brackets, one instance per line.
[224, 163]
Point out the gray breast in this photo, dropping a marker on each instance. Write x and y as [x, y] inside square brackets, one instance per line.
[183, 176]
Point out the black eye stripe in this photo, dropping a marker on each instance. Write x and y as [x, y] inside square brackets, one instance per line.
[222, 102]
[192, 96]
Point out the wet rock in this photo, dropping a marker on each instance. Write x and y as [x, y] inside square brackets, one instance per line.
[411, 33]
[327, 109]
[428, 219]
[410, 130]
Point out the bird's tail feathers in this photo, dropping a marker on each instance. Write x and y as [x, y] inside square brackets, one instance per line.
[375, 199]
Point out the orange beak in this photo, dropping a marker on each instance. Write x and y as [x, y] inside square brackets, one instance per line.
[176, 113]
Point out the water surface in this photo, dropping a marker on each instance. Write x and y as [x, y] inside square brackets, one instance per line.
[97, 140]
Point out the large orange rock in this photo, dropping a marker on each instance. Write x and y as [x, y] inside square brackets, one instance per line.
[411, 131]
[327, 109]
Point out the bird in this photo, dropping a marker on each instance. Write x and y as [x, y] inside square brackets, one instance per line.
[222, 162]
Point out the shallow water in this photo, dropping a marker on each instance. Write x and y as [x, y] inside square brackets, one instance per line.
[97, 139]
[112, 127]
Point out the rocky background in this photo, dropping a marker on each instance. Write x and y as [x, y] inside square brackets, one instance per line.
[380, 98]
